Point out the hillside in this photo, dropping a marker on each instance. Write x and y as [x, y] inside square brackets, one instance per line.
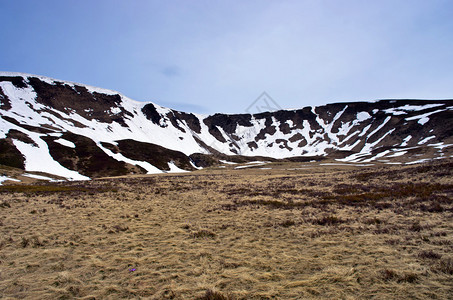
[79, 132]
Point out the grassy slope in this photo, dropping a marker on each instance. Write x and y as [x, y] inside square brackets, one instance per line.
[249, 233]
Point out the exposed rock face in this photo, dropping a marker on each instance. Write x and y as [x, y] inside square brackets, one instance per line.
[93, 132]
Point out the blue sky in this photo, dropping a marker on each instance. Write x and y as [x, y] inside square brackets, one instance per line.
[219, 56]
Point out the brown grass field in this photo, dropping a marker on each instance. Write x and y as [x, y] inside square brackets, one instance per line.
[296, 231]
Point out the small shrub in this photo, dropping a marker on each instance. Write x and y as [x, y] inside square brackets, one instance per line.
[393, 242]
[409, 277]
[287, 223]
[388, 275]
[446, 266]
[439, 233]
[74, 290]
[372, 221]
[429, 254]
[24, 242]
[37, 242]
[118, 228]
[383, 205]
[203, 233]
[5, 204]
[416, 227]
[328, 220]
[434, 207]
[214, 295]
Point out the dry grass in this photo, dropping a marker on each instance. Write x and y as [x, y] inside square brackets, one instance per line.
[313, 233]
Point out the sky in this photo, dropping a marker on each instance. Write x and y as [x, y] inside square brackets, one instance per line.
[208, 56]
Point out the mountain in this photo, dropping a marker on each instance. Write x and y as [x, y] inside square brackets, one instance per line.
[78, 132]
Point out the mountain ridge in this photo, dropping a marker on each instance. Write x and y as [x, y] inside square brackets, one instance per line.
[85, 132]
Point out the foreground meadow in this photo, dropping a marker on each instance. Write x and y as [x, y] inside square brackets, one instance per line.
[289, 232]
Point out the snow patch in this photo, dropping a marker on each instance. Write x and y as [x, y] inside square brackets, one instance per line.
[5, 178]
[150, 169]
[227, 162]
[423, 121]
[115, 110]
[423, 118]
[39, 159]
[363, 116]
[408, 107]
[396, 154]
[175, 169]
[193, 165]
[418, 161]
[379, 127]
[425, 140]
[39, 177]
[440, 146]
[406, 139]
[250, 166]
[65, 143]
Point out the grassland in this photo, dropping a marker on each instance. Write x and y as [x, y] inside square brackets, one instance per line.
[291, 232]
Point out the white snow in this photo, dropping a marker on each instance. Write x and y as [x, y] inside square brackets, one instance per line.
[250, 166]
[440, 146]
[353, 165]
[408, 108]
[425, 140]
[370, 146]
[379, 155]
[39, 159]
[193, 165]
[175, 169]
[362, 116]
[5, 178]
[150, 169]
[394, 111]
[38, 177]
[365, 130]
[423, 118]
[418, 161]
[380, 126]
[115, 110]
[423, 121]
[65, 143]
[396, 154]
[227, 162]
[52, 81]
[406, 139]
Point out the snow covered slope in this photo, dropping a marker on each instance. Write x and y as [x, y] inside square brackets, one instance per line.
[78, 131]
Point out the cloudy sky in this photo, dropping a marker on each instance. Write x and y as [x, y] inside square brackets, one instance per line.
[209, 56]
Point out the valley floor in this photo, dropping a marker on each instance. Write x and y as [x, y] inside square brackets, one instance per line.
[328, 232]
